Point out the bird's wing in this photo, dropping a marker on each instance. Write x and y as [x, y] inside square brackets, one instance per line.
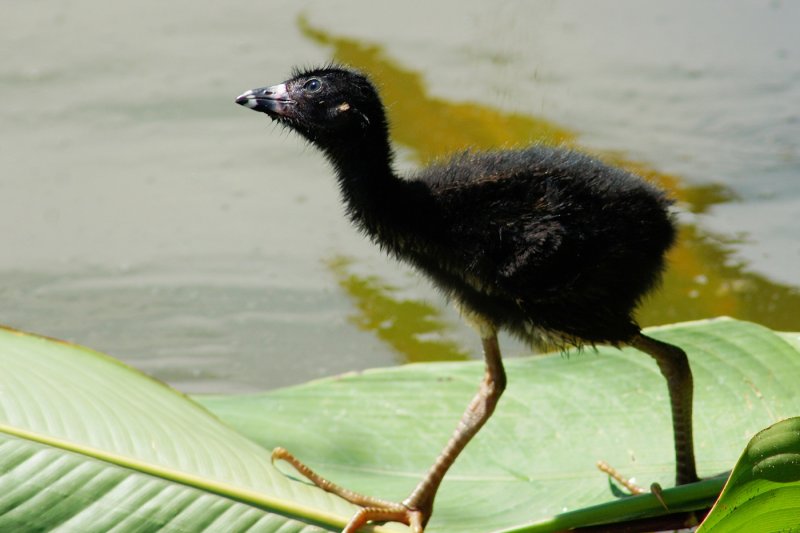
[503, 228]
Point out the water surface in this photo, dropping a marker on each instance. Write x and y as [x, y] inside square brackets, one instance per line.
[146, 215]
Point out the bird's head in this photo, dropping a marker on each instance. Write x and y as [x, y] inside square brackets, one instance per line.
[328, 106]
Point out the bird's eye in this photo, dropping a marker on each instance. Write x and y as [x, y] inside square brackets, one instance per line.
[313, 85]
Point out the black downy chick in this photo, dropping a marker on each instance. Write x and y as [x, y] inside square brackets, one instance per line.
[549, 244]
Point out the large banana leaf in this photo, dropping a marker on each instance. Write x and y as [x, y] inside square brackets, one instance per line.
[378, 431]
[87, 444]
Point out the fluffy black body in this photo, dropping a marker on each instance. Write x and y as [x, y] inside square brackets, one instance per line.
[547, 243]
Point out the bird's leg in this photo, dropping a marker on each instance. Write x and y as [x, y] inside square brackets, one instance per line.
[478, 412]
[417, 508]
[674, 366]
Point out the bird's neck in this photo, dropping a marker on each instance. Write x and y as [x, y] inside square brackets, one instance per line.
[382, 204]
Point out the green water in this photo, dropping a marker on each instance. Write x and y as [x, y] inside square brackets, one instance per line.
[146, 215]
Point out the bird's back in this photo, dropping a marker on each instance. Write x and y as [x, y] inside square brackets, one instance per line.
[548, 237]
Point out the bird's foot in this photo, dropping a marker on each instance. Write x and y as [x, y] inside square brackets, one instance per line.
[372, 509]
[614, 474]
[634, 489]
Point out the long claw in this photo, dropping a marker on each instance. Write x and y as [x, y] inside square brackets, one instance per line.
[614, 474]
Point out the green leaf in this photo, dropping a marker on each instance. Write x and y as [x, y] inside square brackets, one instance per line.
[89, 444]
[534, 462]
[763, 492]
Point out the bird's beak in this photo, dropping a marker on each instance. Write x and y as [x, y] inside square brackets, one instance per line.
[274, 101]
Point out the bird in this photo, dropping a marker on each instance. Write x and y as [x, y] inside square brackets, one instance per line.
[546, 243]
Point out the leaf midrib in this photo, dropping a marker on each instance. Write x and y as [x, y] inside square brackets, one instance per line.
[218, 488]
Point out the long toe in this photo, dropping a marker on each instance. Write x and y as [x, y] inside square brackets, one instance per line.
[373, 509]
[400, 513]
